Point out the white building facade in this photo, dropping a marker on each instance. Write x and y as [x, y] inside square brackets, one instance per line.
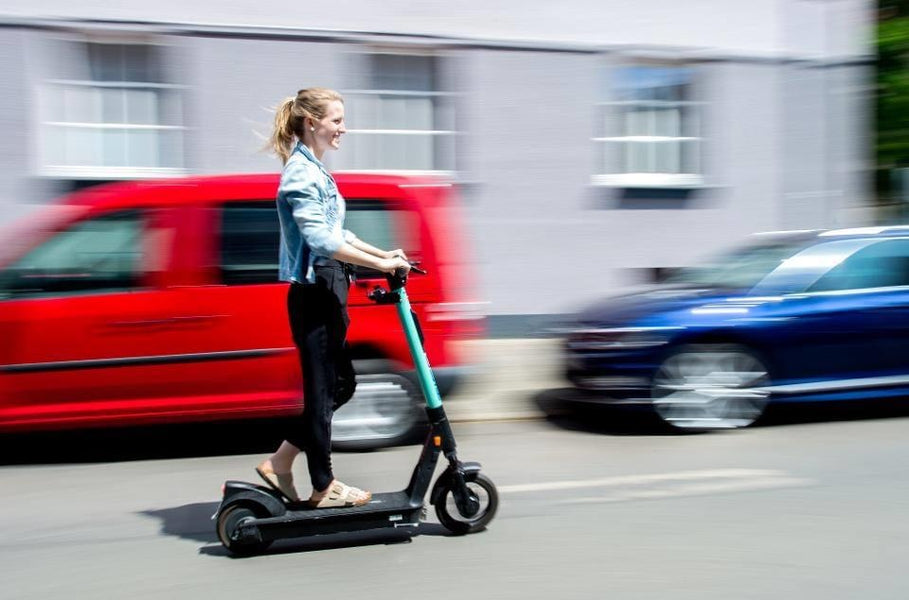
[591, 142]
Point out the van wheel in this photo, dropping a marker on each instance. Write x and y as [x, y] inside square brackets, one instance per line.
[384, 411]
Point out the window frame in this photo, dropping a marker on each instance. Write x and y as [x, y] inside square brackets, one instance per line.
[442, 102]
[401, 231]
[139, 277]
[611, 114]
[404, 232]
[49, 124]
[222, 209]
[860, 256]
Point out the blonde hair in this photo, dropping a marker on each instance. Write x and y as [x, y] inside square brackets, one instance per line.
[291, 116]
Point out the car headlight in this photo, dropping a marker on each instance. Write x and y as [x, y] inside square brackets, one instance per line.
[618, 338]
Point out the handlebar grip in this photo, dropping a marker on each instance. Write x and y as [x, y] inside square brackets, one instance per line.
[399, 278]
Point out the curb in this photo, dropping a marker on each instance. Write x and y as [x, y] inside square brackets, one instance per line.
[505, 376]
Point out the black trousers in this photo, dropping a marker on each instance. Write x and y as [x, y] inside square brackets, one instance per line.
[318, 322]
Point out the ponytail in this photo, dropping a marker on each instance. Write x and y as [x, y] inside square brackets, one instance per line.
[282, 138]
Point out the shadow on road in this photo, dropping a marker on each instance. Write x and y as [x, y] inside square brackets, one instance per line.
[189, 522]
[140, 443]
[189, 440]
[561, 411]
[193, 522]
[797, 414]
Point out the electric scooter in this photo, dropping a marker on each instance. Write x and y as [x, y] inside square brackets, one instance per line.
[252, 516]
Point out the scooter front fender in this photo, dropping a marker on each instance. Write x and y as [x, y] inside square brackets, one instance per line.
[444, 480]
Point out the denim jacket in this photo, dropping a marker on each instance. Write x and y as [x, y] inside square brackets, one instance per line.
[311, 212]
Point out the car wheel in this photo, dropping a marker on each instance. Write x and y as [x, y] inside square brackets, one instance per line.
[711, 387]
[383, 411]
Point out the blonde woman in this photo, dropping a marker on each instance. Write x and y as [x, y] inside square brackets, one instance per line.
[315, 254]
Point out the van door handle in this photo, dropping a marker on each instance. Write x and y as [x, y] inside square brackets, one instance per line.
[168, 322]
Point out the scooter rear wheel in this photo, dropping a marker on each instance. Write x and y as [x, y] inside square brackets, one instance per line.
[229, 521]
[450, 516]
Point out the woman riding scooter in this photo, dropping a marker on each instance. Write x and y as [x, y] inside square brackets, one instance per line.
[315, 257]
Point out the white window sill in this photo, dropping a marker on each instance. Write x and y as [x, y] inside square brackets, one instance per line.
[677, 181]
[109, 173]
[446, 175]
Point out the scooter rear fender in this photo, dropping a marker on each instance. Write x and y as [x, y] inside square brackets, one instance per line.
[243, 492]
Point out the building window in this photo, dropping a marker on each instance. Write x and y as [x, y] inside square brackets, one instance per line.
[402, 121]
[110, 113]
[649, 129]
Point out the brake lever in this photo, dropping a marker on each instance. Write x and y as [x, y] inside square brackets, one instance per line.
[413, 265]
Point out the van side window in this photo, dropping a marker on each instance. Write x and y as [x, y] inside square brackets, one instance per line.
[249, 243]
[100, 254]
[883, 264]
[250, 236]
[384, 226]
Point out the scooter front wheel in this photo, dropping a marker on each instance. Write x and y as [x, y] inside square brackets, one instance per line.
[449, 514]
[229, 521]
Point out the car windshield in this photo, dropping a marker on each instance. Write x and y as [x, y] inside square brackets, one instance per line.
[740, 268]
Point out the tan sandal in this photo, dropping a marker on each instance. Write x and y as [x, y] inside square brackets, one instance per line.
[341, 495]
[283, 483]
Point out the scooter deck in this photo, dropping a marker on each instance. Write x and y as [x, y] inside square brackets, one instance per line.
[388, 509]
[381, 501]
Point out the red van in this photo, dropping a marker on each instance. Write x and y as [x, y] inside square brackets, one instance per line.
[151, 302]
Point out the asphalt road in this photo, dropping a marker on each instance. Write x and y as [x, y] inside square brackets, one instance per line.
[591, 508]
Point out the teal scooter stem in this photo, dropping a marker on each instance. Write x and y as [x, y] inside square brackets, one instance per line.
[424, 373]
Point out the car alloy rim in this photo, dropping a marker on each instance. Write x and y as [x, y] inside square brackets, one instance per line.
[710, 389]
[381, 409]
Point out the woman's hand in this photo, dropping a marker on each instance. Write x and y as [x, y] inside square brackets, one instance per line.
[393, 253]
[393, 263]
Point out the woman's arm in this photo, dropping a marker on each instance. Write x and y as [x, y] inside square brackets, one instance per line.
[370, 249]
[351, 253]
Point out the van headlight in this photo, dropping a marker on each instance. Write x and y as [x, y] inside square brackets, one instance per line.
[618, 338]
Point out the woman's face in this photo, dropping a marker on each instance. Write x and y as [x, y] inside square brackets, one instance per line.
[329, 128]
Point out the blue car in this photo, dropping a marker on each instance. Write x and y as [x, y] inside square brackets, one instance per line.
[789, 317]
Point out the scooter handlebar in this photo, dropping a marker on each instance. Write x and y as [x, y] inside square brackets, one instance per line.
[399, 279]
[396, 281]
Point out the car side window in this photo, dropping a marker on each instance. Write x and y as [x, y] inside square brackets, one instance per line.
[383, 225]
[250, 234]
[101, 254]
[883, 264]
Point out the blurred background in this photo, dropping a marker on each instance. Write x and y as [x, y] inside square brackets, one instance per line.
[592, 147]
[596, 141]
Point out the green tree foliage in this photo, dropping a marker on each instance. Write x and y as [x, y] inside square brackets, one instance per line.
[892, 108]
